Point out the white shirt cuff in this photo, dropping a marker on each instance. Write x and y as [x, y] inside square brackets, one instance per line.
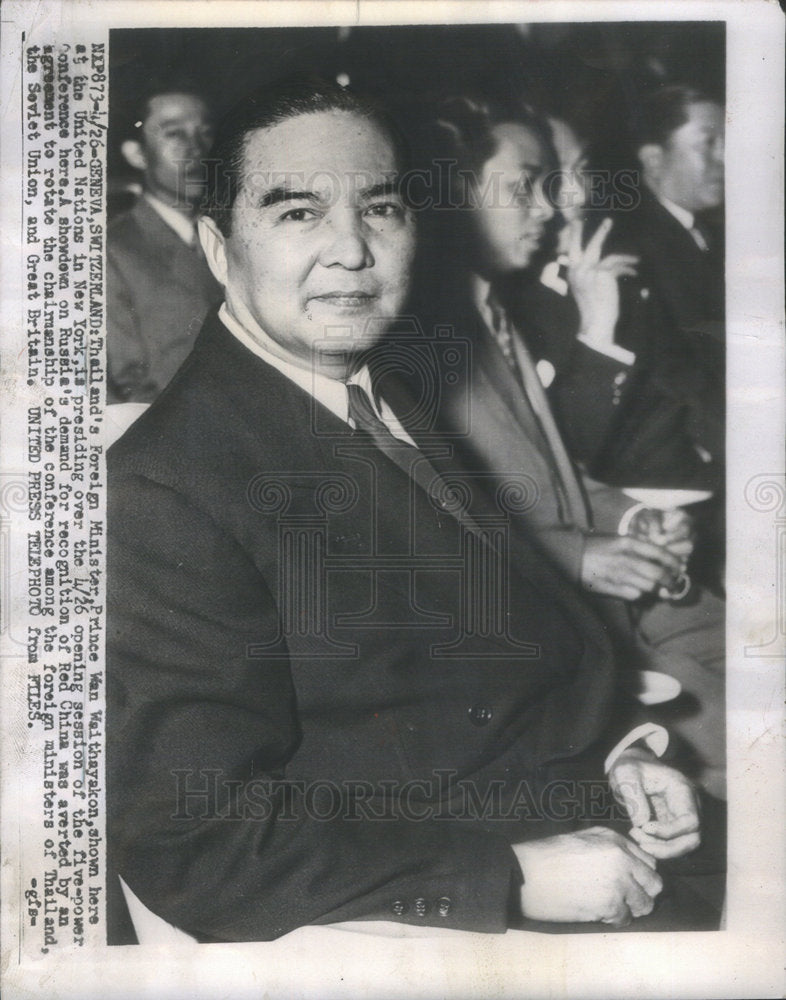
[624, 525]
[655, 736]
[614, 351]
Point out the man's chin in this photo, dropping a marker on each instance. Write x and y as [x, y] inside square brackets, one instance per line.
[350, 326]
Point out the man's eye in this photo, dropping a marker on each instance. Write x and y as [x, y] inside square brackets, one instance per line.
[385, 210]
[524, 192]
[298, 215]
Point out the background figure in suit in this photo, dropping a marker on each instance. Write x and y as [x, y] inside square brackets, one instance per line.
[502, 422]
[159, 285]
[304, 725]
[679, 143]
[639, 402]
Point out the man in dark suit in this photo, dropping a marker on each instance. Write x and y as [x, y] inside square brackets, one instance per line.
[159, 285]
[336, 687]
[674, 229]
[638, 354]
[591, 530]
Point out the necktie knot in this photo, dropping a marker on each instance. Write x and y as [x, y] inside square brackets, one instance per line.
[501, 328]
[362, 413]
[700, 237]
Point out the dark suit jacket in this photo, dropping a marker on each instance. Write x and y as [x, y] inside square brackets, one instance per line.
[659, 422]
[159, 292]
[688, 282]
[285, 605]
[482, 408]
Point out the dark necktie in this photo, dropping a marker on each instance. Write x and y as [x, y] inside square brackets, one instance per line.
[407, 457]
[364, 417]
[700, 238]
[542, 429]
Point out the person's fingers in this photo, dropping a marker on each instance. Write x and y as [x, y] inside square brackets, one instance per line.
[617, 271]
[626, 591]
[638, 899]
[676, 517]
[665, 849]
[681, 549]
[639, 853]
[675, 813]
[595, 244]
[642, 573]
[618, 260]
[619, 915]
[606, 275]
[647, 877]
[628, 790]
[575, 235]
[680, 529]
[676, 532]
[612, 588]
[651, 552]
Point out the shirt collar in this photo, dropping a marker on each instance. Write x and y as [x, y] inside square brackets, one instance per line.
[481, 292]
[183, 226]
[682, 215]
[330, 392]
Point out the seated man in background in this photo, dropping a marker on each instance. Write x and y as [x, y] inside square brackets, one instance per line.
[639, 402]
[631, 558]
[306, 721]
[159, 287]
[675, 228]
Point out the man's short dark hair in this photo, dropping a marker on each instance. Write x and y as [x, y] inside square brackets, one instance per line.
[140, 109]
[665, 110]
[466, 128]
[271, 105]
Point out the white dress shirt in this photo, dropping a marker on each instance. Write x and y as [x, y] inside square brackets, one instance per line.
[330, 392]
[184, 227]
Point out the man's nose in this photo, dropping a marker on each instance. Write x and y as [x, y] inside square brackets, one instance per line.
[541, 208]
[346, 244]
[197, 144]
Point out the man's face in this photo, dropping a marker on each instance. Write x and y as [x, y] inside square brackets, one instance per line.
[175, 137]
[570, 194]
[691, 172]
[511, 207]
[322, 244]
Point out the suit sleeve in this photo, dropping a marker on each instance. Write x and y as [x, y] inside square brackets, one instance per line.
[204, 825]
[583, 397]
[128, 363]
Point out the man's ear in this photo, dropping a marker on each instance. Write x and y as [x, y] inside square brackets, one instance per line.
[133, 154]
[651, 159]
[212, 240]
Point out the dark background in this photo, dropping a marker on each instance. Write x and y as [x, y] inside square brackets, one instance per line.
[592, 74]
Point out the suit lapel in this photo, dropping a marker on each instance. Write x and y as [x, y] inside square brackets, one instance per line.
[577, 505]
[171, 255]
[540, 431]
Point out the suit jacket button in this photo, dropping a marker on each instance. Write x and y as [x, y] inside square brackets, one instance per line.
[399, 907]
[480, 715]
[421, 907]
[443, 906]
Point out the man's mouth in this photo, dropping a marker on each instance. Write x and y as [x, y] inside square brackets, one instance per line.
[354, 298]
[533, 238]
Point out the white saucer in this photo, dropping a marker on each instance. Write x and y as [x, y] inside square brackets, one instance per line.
[667, 499]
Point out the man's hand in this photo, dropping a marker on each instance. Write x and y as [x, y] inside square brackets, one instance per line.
[673, 529]
[593, 283]
[590, 875]
[627, 567]
[660, 801]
